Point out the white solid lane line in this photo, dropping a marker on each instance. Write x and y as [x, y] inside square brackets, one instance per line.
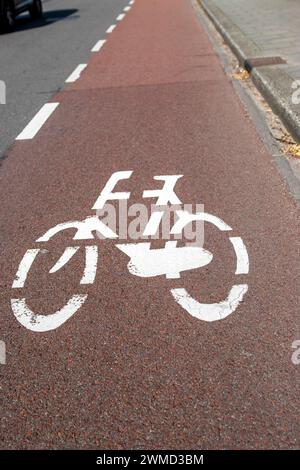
[37, 122]
[111, 28]
[120, 17]
[76, 74]
[98, 45]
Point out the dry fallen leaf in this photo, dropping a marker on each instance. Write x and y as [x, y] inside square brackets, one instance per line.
[293, 149]
[241, 74]
[285, 138]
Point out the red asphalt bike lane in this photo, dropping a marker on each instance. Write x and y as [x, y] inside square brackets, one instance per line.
[132, 369]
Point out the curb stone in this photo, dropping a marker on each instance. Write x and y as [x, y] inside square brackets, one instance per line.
[272, 81]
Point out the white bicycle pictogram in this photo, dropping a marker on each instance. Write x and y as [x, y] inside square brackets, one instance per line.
[144, 260]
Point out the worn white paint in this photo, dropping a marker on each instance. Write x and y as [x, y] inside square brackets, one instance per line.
[144, 261]
[2, 353]
[186, 218]
[37, 122]
[99, 44]
[107, 192]
[121, 17]
[210, 312]
[2, 92]
[91, 260]
[242, 258]
[42, 323]
[64, 259]
[167, 194]
[24, 268]
[76, 74]
[171, 260]
[84, 229]
[164, 196]
[153, 223]
[296, 94]
[111, 28]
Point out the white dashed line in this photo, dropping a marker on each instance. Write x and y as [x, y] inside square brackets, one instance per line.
[37, 122]
[98, 45]
[131, 3]
[127, 8]
[120, 17]
[76, 74]
[111, 28]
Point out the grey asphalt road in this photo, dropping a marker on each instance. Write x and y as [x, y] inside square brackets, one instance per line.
[37, 57]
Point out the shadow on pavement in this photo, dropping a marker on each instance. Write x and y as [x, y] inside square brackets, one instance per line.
[49, 17]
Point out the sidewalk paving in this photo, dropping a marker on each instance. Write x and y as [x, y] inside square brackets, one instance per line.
[256, 29]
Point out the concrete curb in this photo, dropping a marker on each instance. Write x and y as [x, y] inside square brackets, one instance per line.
[272, 82]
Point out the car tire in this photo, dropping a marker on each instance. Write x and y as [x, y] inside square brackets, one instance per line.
[36, 10]
[7, 17]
